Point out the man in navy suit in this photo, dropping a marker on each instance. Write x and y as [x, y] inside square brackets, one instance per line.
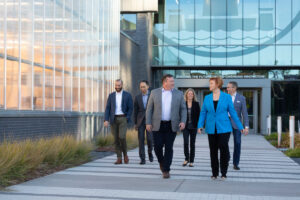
[118, 112]
[239, 102]
[140, 106]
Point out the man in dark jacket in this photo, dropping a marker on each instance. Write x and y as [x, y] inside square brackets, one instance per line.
[118, 113]
[140, 105]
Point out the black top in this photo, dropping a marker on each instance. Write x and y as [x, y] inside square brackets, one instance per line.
[195, 113]
[215, 105]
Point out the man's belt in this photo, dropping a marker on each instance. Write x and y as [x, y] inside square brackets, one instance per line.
[120, 115]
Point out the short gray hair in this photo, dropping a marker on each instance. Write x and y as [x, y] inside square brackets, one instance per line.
[119, 80]
[234, 84]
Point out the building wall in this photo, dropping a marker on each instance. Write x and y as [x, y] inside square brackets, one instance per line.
[57, 56]
[136, 53]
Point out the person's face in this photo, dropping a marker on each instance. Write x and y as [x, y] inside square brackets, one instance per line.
[212, 85]
[230, 88]
[190, 95]
[144, 87]
[118, 86]
[169, 83]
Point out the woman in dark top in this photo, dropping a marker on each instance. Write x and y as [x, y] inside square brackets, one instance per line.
[214, 113]
[190, 131]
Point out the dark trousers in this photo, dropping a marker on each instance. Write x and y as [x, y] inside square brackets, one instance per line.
[216, 142]
[119, 129]
[141, 136]
[164, 138]
[189, 153]
[237, 146]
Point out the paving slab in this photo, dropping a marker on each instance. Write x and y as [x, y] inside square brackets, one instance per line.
[266, 173]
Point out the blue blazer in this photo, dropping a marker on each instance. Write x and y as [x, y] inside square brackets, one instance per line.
[218, 118]
[127, 106]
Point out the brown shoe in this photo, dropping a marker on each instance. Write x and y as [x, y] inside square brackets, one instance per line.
[161, 167]
[126, 159]
[118, 162]
[166, 175]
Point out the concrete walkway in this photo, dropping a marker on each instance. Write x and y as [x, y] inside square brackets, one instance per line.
[266, 173]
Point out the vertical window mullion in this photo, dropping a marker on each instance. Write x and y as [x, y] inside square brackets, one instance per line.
[79, 53]
[72, 52]
[54, 53]
[44, 51]
[32, 53]
[20, 60]
[5, 50]
[63, 57]
[92, 58]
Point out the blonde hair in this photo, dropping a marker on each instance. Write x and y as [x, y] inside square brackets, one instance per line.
[190, 90]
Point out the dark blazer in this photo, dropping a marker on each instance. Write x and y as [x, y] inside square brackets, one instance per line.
[139, 110]
[127, 106]
[241, 110]
[195, 113]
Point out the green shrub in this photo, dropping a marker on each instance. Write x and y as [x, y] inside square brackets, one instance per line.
[294, 153]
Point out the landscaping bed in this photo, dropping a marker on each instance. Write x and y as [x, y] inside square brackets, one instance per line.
[285, 144]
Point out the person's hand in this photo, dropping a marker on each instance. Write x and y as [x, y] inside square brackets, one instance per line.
[246, 131]
[182, 126]
[149, 128]
[106, 123]
[199, 130]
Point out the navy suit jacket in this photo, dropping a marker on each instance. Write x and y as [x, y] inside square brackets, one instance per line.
[127, 106]
[241, 110]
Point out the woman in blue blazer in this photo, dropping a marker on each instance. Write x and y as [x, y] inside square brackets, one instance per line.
[215, 111]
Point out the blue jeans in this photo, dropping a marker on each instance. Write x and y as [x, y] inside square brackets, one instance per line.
[237, 146]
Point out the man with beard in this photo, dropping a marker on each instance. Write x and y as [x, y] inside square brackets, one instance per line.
[118, 112]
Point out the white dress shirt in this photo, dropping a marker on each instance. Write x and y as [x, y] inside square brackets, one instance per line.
[119, 103]
[233, 97]
[166, 105]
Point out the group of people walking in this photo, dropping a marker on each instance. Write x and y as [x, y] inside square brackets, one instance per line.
[164, 111]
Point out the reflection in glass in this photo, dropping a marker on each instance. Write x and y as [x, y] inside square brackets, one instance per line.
[218, 55]
[170, 55]
[267, 55]
[128, 22]
[202, 56]
[296, 23]
[186, 55]
[187, 25]
[57, 54]
[202, 22]
[267, 21]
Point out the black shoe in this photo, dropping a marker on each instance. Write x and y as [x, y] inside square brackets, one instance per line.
[236, 167]
[142, 162]
[150, 157]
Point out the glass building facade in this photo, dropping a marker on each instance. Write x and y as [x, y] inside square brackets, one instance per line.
[58, 55]
[227, 33]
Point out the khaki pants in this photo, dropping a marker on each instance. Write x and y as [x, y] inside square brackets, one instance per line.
[119, 129]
